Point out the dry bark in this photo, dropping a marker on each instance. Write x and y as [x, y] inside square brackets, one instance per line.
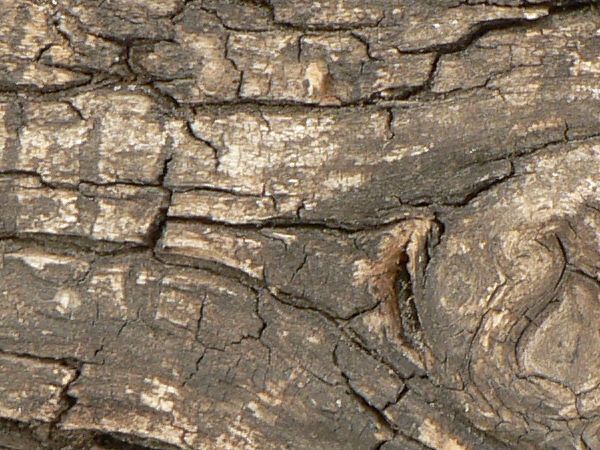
[269, 224]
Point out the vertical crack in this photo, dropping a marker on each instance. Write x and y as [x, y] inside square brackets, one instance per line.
[69, 400]
[161, 220]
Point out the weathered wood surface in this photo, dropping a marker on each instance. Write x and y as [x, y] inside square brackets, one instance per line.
[291, 224]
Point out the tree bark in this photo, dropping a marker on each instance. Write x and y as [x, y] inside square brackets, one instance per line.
[269, 224]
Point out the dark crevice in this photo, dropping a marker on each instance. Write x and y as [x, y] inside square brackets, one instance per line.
[414, 92]
[484, 187]
[378, 415]
[77, 186]
[75, 244]
[157, 229]
[302, 225]
[117, 442]
[66, 362]
[69, 400]
[409, 317]
[108, 441]
[216, 151]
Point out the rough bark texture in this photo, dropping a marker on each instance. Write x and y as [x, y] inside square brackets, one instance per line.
[289, 224]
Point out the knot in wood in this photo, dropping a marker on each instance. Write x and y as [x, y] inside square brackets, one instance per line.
[511, 304]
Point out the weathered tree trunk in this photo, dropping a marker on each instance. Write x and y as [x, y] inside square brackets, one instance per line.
[289, 224]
